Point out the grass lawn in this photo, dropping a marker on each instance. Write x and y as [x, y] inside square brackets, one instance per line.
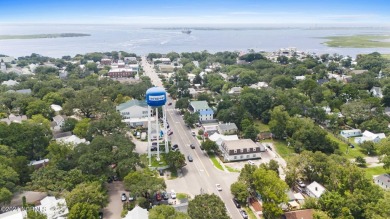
[358, 41]
[250, 213]
[231, 169]
[145, 160]
[281, 147]
[182, 196]
[215, 161]
[371, 171]
[261, 126]
[345, 149]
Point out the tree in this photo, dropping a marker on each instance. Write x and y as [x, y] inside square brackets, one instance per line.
[332, 202]
[69, 124]
[209, 146]
[82, 127]
[31, 214]
[175, 159]
[360, 161]
[240, 190]
[272, 190]
[282, 60]
[89, 193]
[84, 211]
[53, 98]
[274, 166]
[191, 118]
[333, 66]
[384, 150]
[5, 196]
[8, 177]
[86, 100]
[207, 206]
[386, 96]
[166, 212]
[368, 147]
[143, 183]
[279, 118]
[250, 132]
[39, 107]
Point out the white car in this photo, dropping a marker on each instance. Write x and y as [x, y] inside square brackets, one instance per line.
[173, 194]
[251, 162]
[219, 188]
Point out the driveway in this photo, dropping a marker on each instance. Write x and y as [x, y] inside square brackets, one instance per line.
[115, 206]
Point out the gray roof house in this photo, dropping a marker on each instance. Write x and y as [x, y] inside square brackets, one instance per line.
[205, 112]
[12, 118]
[235, 90]
[351, 133]
[134, 113]
[227, 128]
[383, 181]
[243, 149]
[24, 91]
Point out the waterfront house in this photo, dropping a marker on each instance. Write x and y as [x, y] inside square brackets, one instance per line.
[351, 133]
[243, 149]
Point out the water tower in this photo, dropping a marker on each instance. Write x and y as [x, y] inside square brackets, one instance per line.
[156, 97]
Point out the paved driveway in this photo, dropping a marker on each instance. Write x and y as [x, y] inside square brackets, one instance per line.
[114, 207]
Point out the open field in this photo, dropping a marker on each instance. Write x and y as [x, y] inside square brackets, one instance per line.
[359, 41]
[40, 36]
[345, 149]
[281, 147]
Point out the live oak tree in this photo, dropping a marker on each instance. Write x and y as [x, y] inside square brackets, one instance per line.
[272, 190]
[207, 206]
[175, 159]
[209, 145]
[165, 212]
[143, 183]
[90, 193]
[84, 211]
[240, 190]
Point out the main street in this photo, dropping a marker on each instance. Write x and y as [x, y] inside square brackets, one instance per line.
[200, 175]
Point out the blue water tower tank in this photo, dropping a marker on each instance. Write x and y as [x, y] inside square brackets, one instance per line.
[156, 96]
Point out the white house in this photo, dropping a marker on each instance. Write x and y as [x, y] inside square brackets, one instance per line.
[376, 92]
[351, 133]
[259, 85]
[53, 208]
[73, 140]
[56, 108]
[205, 112]
[218, 138]
[134, 113]
[242, 149]
[235, 90]
[369, 136]
[10, 83]
[137, 213]
[300, 78]
[227, 128]
[315, 190]
[58, 122]
[15, 214]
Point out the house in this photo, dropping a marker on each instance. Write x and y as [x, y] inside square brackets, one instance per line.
[351, 133]
[137, 213]
[10, 83]
[218, 138]
[38, 163]
[73, 140]
[63, 74]
[376, 92]
[299, 214]
[358, 72]
[295, 200]
[205, 112]
[315, 190]
[58, 122]
[259, 85]
[56, 108]
[227, 128]
[193, 92]
[196, 63]
[12, 118]
[383, 181]
[166, 61]
[166, 68]
[122, 73]
[322, 81]
[242, 149]
[105, 61]
[24, 91]
[130, 60]
[61, 135]
[235, 90]
[134, 113]
[300, 78]
[53, 208]
[369, 136]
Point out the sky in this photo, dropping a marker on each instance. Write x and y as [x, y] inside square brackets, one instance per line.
[185, 12]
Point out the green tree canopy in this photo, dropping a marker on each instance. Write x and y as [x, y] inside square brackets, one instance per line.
[207, 207]
[143, 183]
[84, 211]
[88, 193]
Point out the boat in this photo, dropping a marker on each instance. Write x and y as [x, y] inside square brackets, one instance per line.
[186, 31]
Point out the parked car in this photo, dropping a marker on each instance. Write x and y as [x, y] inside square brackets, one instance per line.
[193, 133]
[131, 197]
[219, 188]
[243, 214]
[109, 179]
[301, 184]
[175, 146]
[161, 172]
[170, 133]
[251, 162]
[192, 146]
[158, 196]
[169, 103]
[100, 215]
[269, 147]
[173, 194]
[189, 158]
[165, 195]
[235, 201]
[123, 197]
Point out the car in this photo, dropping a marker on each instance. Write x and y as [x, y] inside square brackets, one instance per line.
[301, 184]
[169, 103]
[173, 194]
[100, 215]
[161, 172]
[192, 146]
[158, 196]
[131, 197]
[251, 162]
[189, 158]
[154, 143]
[193, 133]
[165, 195]
[244, 214]
[170, 133]
[269, 147]
[235, 201]
[219, 188]
[153, 148]
[175, 146]
[123, 197]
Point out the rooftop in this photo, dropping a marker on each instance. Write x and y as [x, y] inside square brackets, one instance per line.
[200, 104]
[227, 126]
[316, 188]
[241, 143]
[131, 103]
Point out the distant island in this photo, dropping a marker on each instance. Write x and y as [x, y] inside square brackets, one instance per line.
[358, 41]
[39, 36]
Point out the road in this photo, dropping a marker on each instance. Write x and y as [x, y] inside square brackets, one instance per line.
[200, 175]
